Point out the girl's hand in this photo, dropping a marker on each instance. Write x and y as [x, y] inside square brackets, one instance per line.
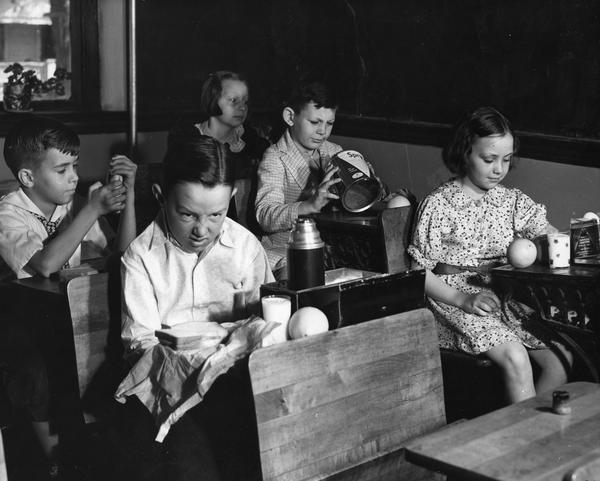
[107, 198]
[121, 165]
[322, 196]
[481, 304]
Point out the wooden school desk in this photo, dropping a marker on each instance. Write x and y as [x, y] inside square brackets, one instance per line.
[568, 300]
[43, 305]
[522, 442]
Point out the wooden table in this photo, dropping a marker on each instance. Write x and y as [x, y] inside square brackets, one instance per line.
[522, 442]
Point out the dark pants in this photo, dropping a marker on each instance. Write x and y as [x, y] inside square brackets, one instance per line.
[214, 441]
[25, 376]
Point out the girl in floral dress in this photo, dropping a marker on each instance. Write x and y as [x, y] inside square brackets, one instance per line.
[464, 227]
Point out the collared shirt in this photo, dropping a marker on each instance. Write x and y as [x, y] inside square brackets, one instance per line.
[22, 234]
[283, 175]
[165, 286]
[235, 141]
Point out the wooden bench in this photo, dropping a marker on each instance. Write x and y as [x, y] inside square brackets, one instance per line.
[334, 403]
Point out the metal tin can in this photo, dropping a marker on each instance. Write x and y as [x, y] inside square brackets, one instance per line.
[358, 190]
[305, 261]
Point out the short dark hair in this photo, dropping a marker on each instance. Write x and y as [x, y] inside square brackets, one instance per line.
[211, 92]
[28, 140]
[198, 159]
[482, 122]
[309, 90]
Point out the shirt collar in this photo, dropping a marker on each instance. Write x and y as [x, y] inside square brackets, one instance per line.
[235, 141]
[161, 234]
[457, 197]
[19, 199]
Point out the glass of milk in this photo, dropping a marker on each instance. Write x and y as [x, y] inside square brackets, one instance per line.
[277, 308]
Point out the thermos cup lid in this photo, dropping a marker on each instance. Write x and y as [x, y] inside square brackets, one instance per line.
[305, 235]
[358, 190]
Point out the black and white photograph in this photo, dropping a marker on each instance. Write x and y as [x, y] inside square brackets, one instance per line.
[300, 240]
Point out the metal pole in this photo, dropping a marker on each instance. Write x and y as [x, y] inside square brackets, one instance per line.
[132, 78]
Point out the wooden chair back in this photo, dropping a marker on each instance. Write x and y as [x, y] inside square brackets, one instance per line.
[332, 401]
[88, 298]
[375, 241]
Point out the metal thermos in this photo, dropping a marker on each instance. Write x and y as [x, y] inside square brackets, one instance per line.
[305, 261]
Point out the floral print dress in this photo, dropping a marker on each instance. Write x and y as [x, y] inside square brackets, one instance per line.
[452, 228]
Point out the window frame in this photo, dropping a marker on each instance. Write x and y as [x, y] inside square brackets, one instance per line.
[85, 60]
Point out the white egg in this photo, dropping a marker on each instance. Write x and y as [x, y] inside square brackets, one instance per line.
[591, 215]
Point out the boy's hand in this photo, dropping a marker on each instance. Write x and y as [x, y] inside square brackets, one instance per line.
[107, 198]
[322, 196]
[121, 165]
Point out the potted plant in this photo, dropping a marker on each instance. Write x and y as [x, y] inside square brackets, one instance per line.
[18, 88]
[22, 84]
[55, 85]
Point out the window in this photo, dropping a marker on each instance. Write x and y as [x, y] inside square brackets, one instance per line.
[43, 35]
[36, 34]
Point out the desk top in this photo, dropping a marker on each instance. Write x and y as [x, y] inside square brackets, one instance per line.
[364, 220]
[49, 285]
[57, 283]
[538, 270]
[522, 442]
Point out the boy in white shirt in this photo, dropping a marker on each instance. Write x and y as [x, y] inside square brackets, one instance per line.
[40, 233]
[192, 263]
[41, 230]
[195, 264]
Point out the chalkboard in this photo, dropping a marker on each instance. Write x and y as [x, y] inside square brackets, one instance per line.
[411, 61]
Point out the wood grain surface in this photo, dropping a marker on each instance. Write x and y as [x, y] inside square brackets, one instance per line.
[331, 401]
[89, 307]
[522, 442]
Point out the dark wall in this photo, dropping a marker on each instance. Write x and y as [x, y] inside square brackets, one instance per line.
[411, 60]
